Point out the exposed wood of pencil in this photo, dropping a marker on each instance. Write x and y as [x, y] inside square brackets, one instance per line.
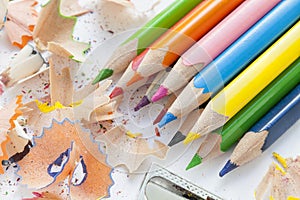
[209, 121]
[196, 98]
[179, 76]
[210, 147]
[186, 127]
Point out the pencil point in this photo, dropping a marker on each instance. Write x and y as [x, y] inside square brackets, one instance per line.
[166, 119]
[196, 160]
[103, 74]
[116, 92]
[191, 137]
[178, 137]
[144, 101]
[160, 93]
[160, 116]
[229, 166]
[135, 78]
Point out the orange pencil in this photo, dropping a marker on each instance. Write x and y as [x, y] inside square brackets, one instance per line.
[167, 48]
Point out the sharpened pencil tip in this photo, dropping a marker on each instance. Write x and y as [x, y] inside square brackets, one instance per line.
[196, 160]
[103, 74]
[178, 137]
[135, 78]
[160, 93]
[229, 166]
[166, 119]
[191, 137]
[160, 116]
[116, 92]
[144, 101]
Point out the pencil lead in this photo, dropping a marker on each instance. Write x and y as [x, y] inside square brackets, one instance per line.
[229, 166]
[160, 93]
[116, 92]
[144, 101]
[160, 116]
[191, 137]
[178, 137]
[166, 119]
[196, 160]
[280, 159]
[135, 78]
[103, 74]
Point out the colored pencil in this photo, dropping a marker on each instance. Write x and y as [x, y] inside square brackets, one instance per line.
[213, 43]
[235, 128]
[152, 88]
[234, 59]
[209, 149]
[185, 127]
[250, 82]
[141, 39]
[266, 131]
[169, 102]
[167, 48]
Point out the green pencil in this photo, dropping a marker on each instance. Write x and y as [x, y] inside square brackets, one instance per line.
[260, 105]
[236, 127]
[141, 39]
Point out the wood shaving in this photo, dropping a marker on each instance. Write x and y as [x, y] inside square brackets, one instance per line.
[281, 185]
[21, 20]
[71, 8]
[131, 152]
[74, 140]
[53, 32]
[8, 114]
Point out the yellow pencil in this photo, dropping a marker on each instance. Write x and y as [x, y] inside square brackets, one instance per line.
[250, 82]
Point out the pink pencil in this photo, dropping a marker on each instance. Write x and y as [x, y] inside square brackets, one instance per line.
[213, 44]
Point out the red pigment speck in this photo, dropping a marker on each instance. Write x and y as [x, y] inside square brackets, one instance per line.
[46, 86]
[37, 194]
[157, 133]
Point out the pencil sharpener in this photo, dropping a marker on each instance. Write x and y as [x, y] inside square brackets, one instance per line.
[159, 183]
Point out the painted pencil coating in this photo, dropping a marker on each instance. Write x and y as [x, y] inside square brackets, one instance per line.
[161, 22]
[234, 129]
[167, 48]
[141, 39]
[280, 118]
[250, 82]
[259, 74]
[236, 57]
[214, 43]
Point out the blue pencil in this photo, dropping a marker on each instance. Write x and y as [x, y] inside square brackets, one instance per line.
[271, 126]
[234, 59]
